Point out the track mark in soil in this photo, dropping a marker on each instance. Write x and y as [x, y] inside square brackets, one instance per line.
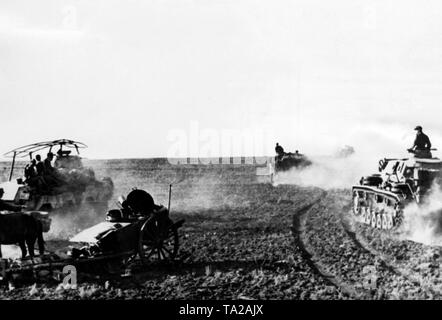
[337, 249]
[330, 228]
[308, 253]
[358, 241]
[389, 262]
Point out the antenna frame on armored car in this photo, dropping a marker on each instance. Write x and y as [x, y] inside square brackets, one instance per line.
[30, 149]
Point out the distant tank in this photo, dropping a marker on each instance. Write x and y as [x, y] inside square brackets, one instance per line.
[379, 199]
[289, 160]
[344, 152]
[70, 184]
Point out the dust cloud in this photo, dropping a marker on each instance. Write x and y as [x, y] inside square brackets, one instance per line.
[423, 223]
[194, 189]
[330, 172]
[66, 224]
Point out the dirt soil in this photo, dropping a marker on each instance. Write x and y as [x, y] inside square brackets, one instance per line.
[248, 240]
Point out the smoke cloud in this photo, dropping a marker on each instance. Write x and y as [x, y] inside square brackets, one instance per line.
[423, 223]
[330, 172]
[66, 224]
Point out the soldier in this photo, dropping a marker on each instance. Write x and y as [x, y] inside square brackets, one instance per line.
[51, 177]
[422, 145]
[30, 170]
[6, 206]
[49, 169]
[279, 151]
[39, 166]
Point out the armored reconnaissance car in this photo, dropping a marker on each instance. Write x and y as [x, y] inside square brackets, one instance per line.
[66, 183]
[379, 199]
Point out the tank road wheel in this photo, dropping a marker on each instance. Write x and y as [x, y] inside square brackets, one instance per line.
[158, 241]
[356, 204]
[373, 219]
[389, 219]
[379, 220]
[367, 216]
[384, 221]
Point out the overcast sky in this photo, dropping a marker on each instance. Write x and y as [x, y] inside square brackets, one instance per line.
[125, 76]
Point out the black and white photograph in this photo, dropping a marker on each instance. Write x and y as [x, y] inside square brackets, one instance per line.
[216, 150]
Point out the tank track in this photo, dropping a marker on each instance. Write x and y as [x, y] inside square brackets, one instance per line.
[378, 208]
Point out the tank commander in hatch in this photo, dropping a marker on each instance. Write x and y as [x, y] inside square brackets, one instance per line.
[279, 151]
[422, 145]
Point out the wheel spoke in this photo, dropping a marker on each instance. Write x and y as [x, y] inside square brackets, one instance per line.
[150, 253]
[167, 250]
[158, 240]
[162, 253]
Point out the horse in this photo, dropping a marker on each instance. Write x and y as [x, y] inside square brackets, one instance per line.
[22, 229]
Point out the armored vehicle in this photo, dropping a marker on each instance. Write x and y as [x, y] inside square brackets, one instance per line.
[379, 199]
[66, 183]
[290, 160]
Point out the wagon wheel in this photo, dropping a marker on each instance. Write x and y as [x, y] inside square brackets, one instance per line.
[158, 241]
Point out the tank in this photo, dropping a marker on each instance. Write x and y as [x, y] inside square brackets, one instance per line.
[290, 160]
[344, 152]
[379, 199]
[69, 184]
